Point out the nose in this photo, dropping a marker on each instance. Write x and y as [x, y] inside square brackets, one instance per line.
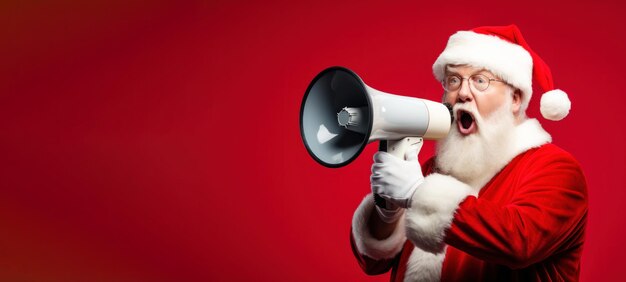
[465, 94]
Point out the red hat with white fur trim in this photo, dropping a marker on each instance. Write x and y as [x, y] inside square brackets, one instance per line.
[503, 51]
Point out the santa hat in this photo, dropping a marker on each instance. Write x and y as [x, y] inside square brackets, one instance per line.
[503, 51]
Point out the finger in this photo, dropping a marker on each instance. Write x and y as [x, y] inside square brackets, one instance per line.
[377, 180]
[382, 157]
[379, 156]
[377, 168]
[376, 177]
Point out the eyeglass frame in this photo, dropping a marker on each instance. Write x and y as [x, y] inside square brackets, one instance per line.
[469, 83]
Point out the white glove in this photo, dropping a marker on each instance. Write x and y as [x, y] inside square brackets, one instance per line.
[396, 180]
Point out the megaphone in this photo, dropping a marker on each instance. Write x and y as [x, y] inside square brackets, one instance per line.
[340, 115]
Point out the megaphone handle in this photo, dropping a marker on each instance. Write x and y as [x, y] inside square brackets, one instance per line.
[397, 148]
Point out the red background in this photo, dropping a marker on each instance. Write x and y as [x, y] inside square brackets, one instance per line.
[159, 141]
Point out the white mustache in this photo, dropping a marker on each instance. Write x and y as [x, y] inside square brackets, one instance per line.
[470, 108]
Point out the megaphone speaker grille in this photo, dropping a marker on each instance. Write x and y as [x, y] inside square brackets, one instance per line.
[328, 142]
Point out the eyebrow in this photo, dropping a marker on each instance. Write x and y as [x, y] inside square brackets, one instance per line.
[480, 71]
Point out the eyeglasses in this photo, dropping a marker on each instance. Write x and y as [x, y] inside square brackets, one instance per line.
[477, 81]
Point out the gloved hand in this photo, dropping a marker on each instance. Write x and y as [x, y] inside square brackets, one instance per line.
[396, 180]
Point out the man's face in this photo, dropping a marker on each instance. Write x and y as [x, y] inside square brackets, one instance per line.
[485, 102]
[485, 127]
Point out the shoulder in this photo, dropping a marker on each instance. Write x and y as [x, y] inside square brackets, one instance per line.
[533, 143]
[549, 153]
[551, 166]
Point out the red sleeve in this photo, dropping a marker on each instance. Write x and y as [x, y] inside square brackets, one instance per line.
[371, 266]
[546, 213]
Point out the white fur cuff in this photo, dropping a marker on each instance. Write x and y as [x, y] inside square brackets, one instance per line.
[368, 245]
[432, 210]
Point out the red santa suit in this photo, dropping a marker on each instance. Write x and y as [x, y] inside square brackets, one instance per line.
[525, 222]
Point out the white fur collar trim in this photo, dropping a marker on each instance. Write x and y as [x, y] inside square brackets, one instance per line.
[529, 134]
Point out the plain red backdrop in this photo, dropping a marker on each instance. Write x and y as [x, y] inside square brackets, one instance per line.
[158, 140]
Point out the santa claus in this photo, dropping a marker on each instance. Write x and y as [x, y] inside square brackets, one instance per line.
[499, 202]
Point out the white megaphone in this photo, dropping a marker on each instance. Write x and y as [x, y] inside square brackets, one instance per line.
[340, 115]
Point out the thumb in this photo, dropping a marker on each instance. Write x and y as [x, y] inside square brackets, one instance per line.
[413, 150]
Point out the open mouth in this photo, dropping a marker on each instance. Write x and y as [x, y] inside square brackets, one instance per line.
[466, 122]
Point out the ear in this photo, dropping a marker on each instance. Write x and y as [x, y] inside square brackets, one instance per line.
[517, 102]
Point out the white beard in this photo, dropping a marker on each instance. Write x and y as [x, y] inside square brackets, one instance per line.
[476, 158]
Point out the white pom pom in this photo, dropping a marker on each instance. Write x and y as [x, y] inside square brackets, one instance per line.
[555, 105]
